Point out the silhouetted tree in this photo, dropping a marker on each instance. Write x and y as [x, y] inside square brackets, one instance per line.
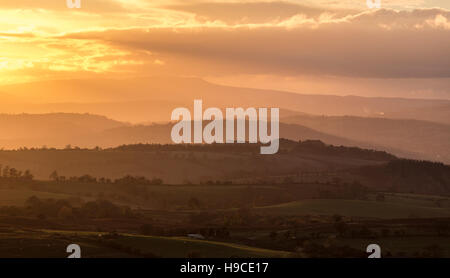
[54, 176]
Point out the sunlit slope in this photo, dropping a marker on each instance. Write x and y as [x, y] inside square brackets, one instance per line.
[162, 94]
[53, 244]
[427, 140]
[87, 130]
[356, 208]
[178, 163]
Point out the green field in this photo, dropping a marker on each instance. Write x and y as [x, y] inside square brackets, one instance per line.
[409, 245]
[405, 224]
[50, 243]
[389, 209]
[17, 197]
[179, 247]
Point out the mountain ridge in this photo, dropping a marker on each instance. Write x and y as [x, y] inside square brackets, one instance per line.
[163, 94]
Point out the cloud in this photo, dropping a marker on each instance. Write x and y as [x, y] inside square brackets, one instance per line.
[252, 12]
[327, 42]
[102, 6]
[375, 44]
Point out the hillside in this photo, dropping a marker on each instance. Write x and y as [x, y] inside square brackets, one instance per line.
[181, 163]
[422, 139]
[153, 99]
[55, 125]
[87, 130]
[408, 176]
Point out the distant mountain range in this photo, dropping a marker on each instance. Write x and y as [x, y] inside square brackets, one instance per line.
[309, 161]
[404, 138]
[421, 139]
[196, 163]
[152, 99]
[57, 115]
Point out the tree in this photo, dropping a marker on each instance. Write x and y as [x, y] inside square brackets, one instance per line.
[380, 197]
[339, 225]
[273, 235]
[65, 212]
[27, 175]
[33, 202]
[194, 203]
[54, 176]
[287, 234]
[6, 171]
[337, 218]
[147, 229]
[13, 173]
[156, 181]
[341, 228]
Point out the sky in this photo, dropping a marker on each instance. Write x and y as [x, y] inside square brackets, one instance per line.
[315, 47]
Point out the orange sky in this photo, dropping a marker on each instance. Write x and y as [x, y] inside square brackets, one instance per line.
[324, 47]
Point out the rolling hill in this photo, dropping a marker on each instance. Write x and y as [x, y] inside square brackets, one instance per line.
[418, 139]
[87, 131]
[153, 99]
[181, 163]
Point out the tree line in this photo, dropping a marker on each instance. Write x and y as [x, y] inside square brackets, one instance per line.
[12, 174]
[126, 180]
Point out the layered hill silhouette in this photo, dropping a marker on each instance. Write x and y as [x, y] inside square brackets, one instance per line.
[304, 162]
[422, 139]
[152, 99]
[412, 128]
[66, 137]
[193, 163]
[404, 138]
[36, 130]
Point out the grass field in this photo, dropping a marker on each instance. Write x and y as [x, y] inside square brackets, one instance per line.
[218, 196]
[50, 243]
[17, 197]
[393, 207]
[37, 244]
[180, 246]
[408, 245]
